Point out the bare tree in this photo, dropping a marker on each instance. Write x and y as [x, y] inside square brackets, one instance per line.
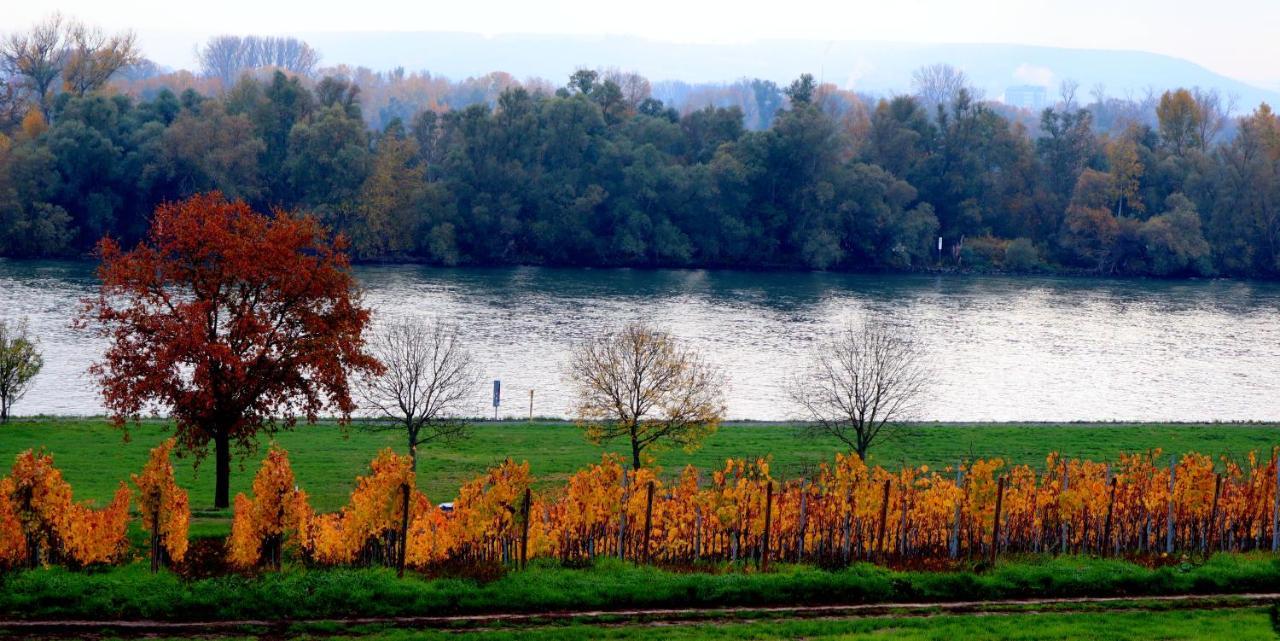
[12, 104]
[861, 383]
[222, 58]
[38, 57]
[430, 375]
[1067, 93]
[20, 361]
[227, 57]
[639, 384]
[938, 85]
[635, 87]
[93, 57]
[1214, 113]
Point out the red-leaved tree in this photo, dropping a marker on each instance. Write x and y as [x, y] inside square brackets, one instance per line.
[235, 322]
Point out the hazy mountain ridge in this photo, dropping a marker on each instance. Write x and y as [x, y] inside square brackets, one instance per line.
[871, 67]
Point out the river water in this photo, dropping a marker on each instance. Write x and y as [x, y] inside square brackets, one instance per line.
[1017, 348]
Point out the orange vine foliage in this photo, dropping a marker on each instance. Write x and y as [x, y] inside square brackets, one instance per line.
[13, 545]
[50, 525]
[373, 516]
[847, 511]
[482, 525]
[850, 511]
[277, 509]
[164, 506]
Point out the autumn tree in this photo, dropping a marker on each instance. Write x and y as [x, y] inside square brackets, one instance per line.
[640, 384]
[37, 56]
[861, 383]
[233, 321]
[20, 361]
[1180, 121]
[1126, 173]
[92, 57]
[429, 381]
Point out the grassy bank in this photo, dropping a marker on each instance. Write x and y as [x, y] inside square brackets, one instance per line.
[94, 457]
[1249, 624]
[130, 592]
[1244, 624]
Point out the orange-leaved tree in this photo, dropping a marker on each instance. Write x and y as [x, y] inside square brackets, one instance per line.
[234, 321]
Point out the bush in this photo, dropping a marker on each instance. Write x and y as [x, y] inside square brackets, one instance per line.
[1021, 256]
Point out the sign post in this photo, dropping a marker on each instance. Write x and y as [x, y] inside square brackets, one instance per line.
[497, 397]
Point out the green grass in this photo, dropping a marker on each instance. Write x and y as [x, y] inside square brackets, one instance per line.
[1242, 625]
[1246, 624]
[94, 458]
[131, 592]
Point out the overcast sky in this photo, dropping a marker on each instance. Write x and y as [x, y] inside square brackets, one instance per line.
[1238, 38]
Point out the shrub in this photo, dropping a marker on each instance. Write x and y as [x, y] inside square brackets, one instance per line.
[1020, 255]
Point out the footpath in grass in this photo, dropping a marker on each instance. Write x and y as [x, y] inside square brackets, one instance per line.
[131, 592]
[326, 459]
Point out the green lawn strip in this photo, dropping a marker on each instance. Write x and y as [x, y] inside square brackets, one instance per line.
[94, 458]
[131, 592]
[1249, 624]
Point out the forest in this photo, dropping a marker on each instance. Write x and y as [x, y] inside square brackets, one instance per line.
[600, 172]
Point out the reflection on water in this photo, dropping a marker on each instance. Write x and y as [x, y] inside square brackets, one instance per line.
[1003, 348]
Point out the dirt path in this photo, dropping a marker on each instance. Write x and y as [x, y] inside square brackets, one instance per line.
[646, 616]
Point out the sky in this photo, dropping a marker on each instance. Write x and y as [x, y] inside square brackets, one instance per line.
[1237, 38]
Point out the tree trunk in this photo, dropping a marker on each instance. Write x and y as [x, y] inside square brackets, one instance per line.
[222, 471]
[635, 455]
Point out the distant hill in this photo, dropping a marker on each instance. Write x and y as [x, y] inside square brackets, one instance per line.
[872, 67]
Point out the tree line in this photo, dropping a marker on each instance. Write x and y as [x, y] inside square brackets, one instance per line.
[599, 173]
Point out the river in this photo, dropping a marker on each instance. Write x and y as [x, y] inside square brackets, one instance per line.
[1003, 348]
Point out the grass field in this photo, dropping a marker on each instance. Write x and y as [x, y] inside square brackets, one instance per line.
[94, 457]
[131, 592]
[1248, 624]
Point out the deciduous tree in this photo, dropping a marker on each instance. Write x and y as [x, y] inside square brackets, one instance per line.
[233, 321]
[861, 383]
[639, 384]
[20, 361]
[429, 381]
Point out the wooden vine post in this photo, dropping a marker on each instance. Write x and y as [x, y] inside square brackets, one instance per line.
[768, 522]
[1275, 507]
[1106, 529]
[1066, 484]
[954, 548]
[884, 513]
[404, 529]
[526, 505]
[648, 519]
[622, 519]
[155, 537]
[1169, 525]
[995, 527]
[1212, 526]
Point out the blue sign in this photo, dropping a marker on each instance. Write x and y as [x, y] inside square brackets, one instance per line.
[497, 392]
